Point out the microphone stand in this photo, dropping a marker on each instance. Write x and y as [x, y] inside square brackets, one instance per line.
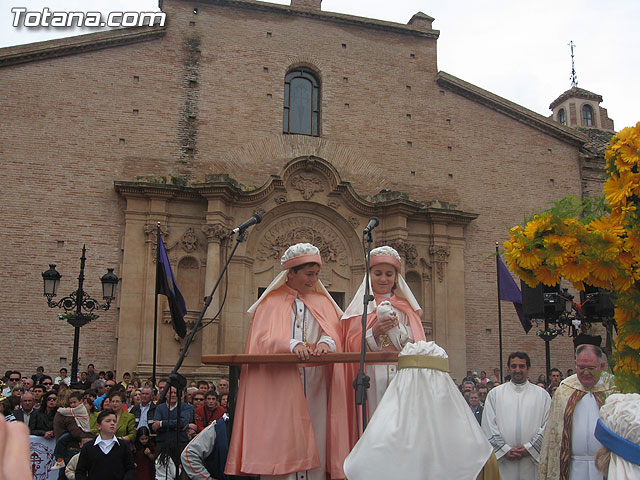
[174, 376]
[361, 382]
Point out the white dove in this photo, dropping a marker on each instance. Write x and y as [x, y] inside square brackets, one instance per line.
[385, 310]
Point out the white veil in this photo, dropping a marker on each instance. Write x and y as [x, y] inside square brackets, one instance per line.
[422, 428]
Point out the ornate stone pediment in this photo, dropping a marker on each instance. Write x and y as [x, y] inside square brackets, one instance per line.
[307, 184]
[292, 230]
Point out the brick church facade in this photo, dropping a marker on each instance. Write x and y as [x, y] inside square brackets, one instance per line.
[200, 123]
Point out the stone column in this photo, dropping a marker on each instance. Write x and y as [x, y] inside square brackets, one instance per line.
[439, 258]
[456, 318]
[215, 233]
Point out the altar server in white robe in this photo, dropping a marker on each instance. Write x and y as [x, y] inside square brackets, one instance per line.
[514, 417]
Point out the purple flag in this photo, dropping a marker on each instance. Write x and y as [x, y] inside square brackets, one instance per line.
[166, 285]
[509, 292]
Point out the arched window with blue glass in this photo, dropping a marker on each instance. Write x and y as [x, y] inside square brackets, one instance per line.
[301, 103]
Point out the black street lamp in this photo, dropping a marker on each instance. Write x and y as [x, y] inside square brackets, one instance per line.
[76, 302]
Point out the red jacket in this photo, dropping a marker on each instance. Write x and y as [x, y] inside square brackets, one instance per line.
[204, 416]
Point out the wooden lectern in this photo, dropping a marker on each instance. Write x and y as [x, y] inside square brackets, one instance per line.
[235, 361]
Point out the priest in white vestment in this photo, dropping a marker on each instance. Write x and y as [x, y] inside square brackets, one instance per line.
[514, 417]
[569, 441]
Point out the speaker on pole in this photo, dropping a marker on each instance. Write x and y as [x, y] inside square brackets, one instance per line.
[596, 302]
[541, 301]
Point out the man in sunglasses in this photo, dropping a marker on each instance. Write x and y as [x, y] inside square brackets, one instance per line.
[47, 383]
[13, 380]
[569, 441]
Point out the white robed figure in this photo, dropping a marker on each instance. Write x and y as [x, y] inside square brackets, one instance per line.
[513, 419]
[618, 429]
[423, 427]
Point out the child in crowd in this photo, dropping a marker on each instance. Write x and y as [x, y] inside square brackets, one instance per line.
[144, 456]
[78, 411]
[70, 468]
[105, 458]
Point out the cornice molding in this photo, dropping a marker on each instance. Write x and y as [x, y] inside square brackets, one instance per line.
[231, 192]
[155, 190]
[79, 44]
[575, 92]
[329, 17]
[510, 109]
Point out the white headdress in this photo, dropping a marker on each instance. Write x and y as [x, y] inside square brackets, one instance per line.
[420, 425]
[295, 255]
[390, 256]
[620, 417]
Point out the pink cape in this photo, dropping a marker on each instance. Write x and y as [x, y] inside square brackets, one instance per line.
[272, 433]
[352, 328]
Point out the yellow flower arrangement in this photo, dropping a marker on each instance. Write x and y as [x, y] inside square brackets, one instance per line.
[601, 250]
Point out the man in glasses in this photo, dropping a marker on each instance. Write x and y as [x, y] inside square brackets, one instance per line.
[47, 383]
[12, 382]
[569, 442]
[103, 390]
[27, 384]
[197, 400]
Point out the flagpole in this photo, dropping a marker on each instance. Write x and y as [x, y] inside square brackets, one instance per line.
[155, 313]
[499, 314]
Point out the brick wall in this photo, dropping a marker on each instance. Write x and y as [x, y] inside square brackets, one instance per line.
[214, 83]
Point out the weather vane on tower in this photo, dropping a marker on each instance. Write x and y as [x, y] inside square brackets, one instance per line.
[574, 75]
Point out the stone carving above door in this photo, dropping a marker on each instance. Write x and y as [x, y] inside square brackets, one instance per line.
[189, 240]
[282, 234]
[307, 184]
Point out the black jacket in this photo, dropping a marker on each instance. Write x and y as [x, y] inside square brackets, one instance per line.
[19, 415]
[136, 411]
[93, 464]
[44, 424]
[478, 414]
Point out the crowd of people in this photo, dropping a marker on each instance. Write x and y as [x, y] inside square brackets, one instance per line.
[300, 420]
[97, 410]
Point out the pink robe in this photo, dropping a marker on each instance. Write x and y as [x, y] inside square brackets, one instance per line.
[352, 328]
[272, 433]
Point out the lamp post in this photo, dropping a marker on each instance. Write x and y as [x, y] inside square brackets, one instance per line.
[77, 301]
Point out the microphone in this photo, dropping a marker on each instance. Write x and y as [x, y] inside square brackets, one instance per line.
[255, 218]
[373, 223]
